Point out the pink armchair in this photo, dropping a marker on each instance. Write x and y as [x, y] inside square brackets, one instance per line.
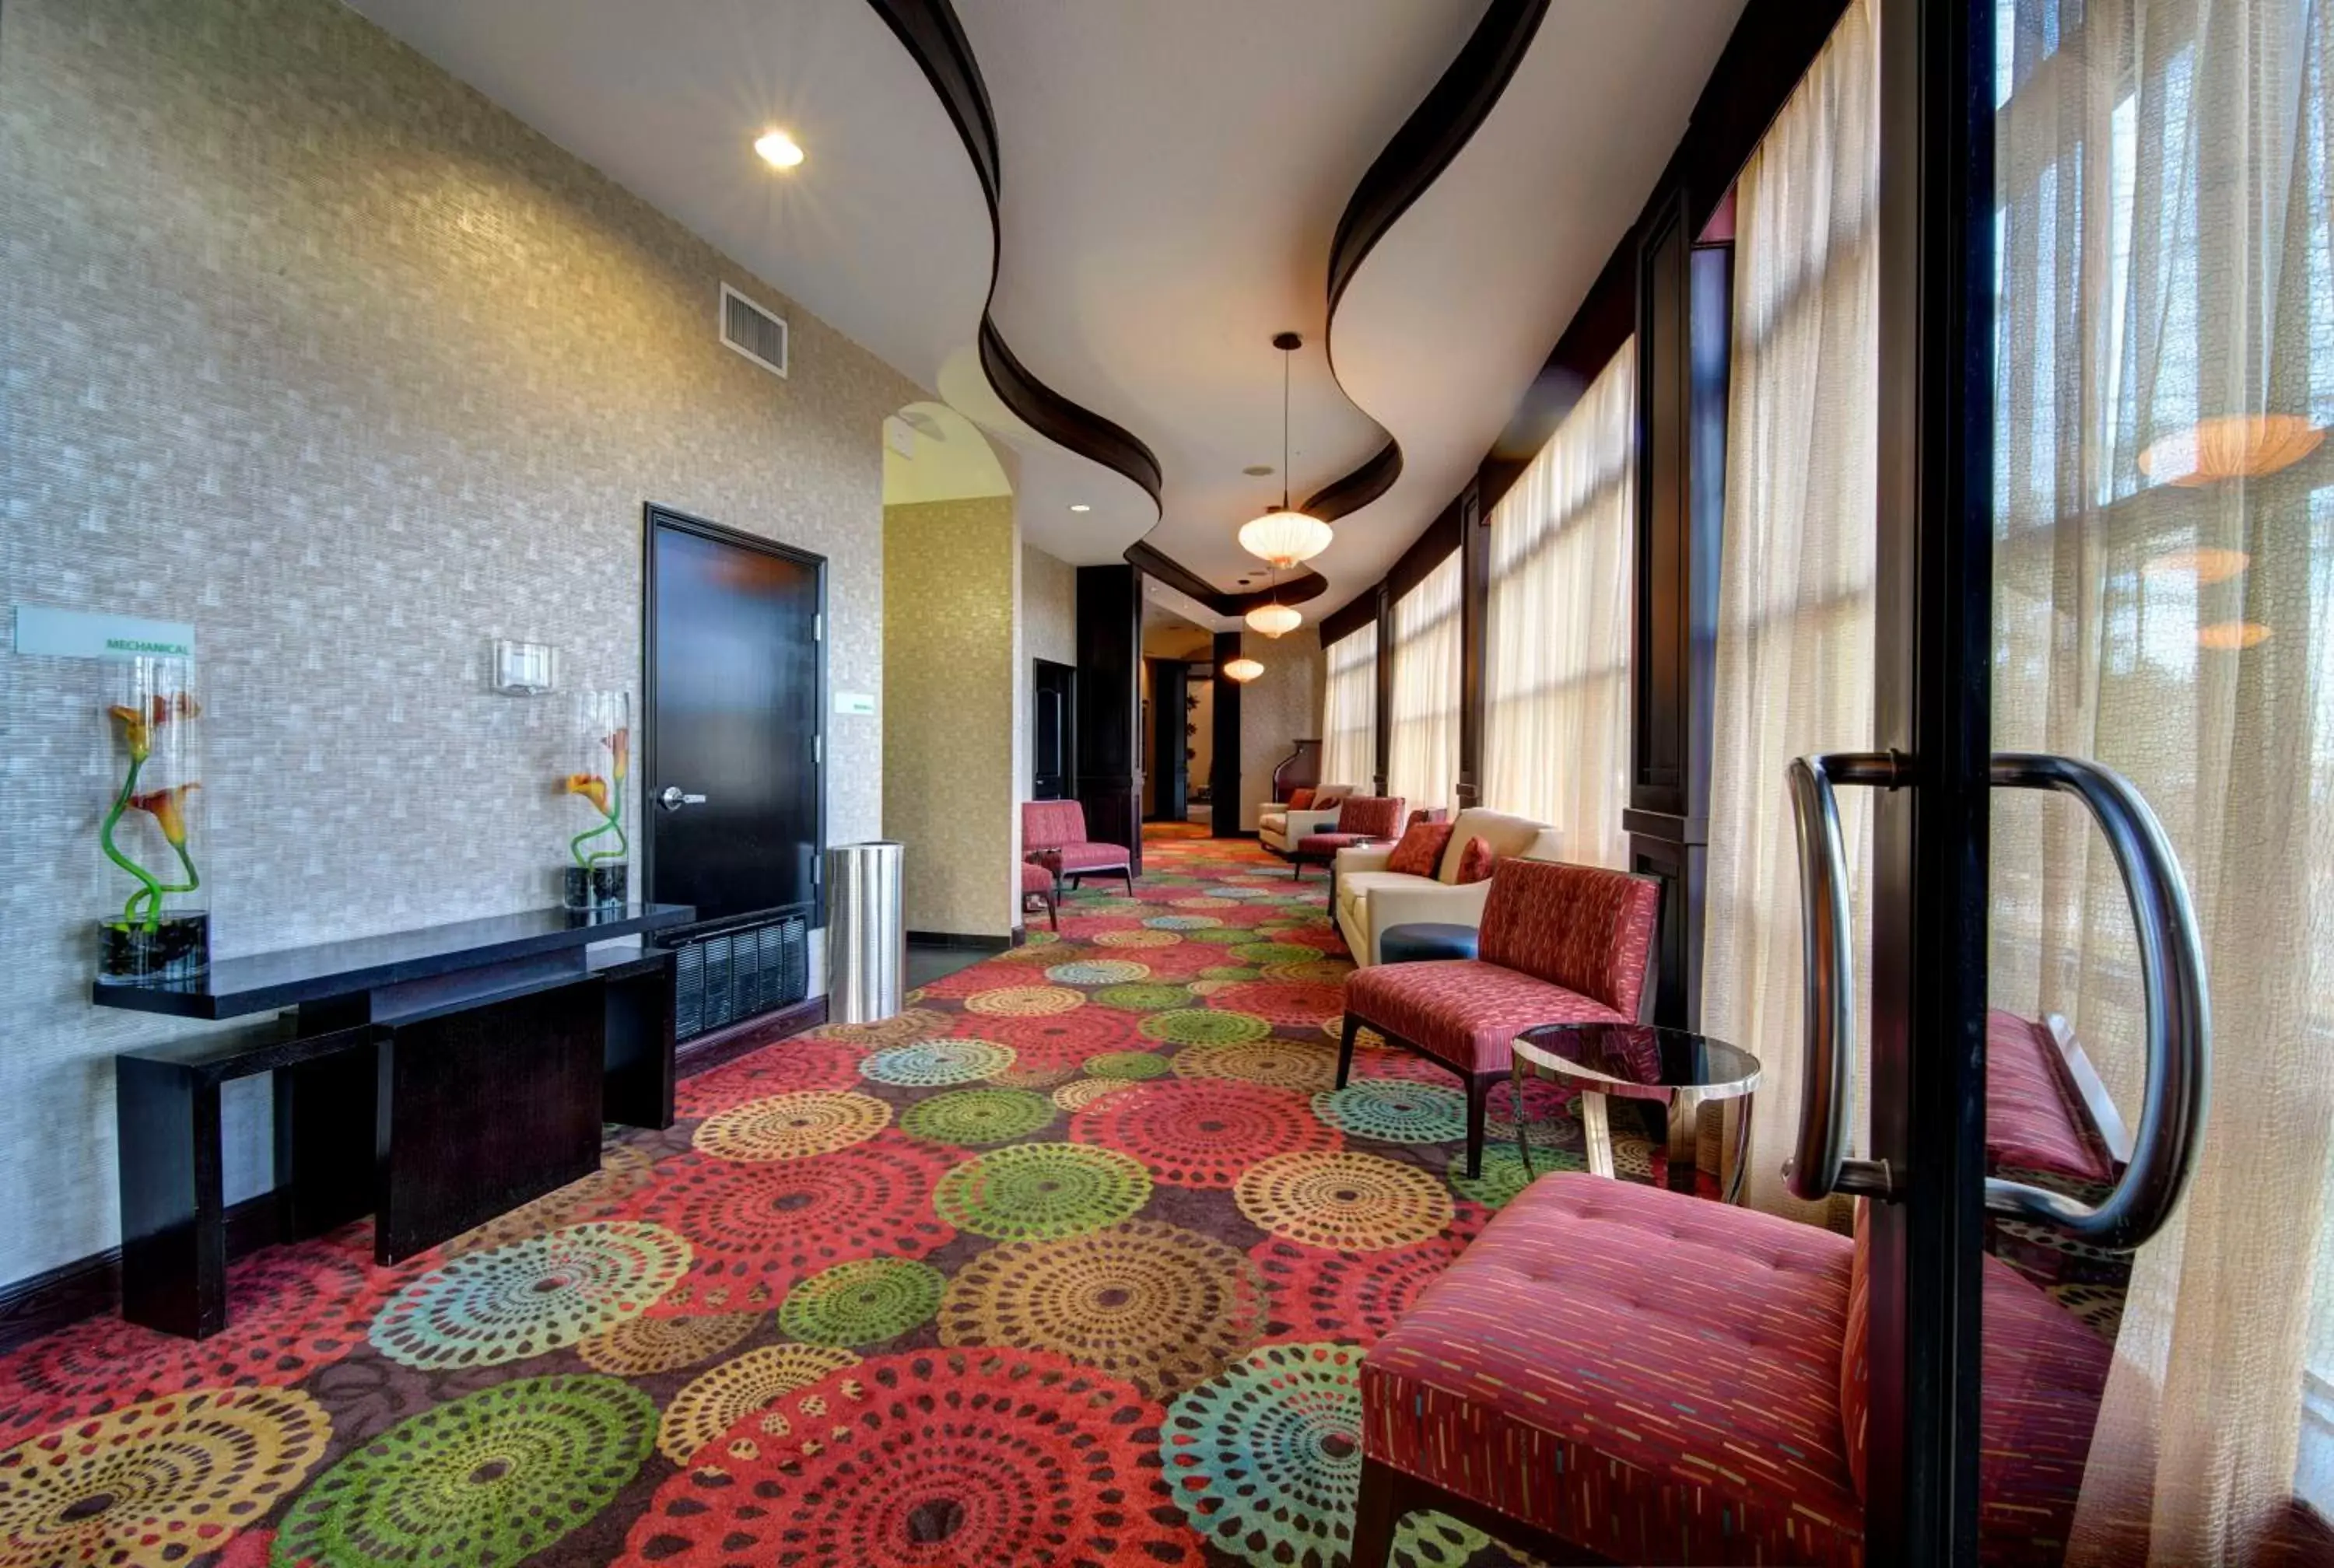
[1618, 1372]
[1560, 944]
[1359, 820]
[1059, 828]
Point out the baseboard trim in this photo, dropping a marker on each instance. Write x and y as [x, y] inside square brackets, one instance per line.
[1021, 936]
[709, 1051]
[962, 940]
[86, 1287]
[60, 1297]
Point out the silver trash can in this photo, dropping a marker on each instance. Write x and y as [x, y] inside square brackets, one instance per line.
[866, 932]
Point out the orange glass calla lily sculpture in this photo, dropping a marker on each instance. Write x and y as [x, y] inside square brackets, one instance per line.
[607, 760]
[139, 725]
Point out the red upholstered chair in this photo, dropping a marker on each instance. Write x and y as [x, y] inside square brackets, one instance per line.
[1560, 944]
[1619, 1369]
[1059, 828]
[1038, 882]
[1360, 818]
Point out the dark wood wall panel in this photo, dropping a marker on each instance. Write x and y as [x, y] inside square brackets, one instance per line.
[1110, 704]
[1657, 770]
[1224, 766]
[1474, 588]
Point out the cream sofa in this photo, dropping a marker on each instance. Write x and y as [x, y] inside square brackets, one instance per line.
[1371, 900]
[1278, 829]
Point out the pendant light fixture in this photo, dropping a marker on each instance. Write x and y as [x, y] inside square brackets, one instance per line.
[1287, 536]
[1273, 618]
[1243, 670]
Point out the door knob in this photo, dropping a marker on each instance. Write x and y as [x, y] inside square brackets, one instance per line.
[674, 798]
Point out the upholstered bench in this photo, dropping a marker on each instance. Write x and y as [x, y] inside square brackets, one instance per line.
[2046, 1110]
[1037, 881]
[1621, 1370]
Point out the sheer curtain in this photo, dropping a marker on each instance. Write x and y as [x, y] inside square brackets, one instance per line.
[1422, 750]
[1556, 675]
[1795, 648]
[2163, 589]
[1349, 710]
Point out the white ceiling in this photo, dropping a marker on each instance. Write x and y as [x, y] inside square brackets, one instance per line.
[1172, 175]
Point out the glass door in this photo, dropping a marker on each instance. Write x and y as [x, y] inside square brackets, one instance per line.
[2101, 1029]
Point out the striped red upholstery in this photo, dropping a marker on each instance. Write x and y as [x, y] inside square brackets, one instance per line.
[1464, 1013]
[1855, 1352]
[1371, 816]
[1582, 927]
[1322, 846]
[1660, 1378]
[2034, 1119]
[1035, 878]
[1061, 826]
[1650, 1376]
[1050, 824]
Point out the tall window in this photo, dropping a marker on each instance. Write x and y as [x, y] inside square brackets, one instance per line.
[2164, 603]
[1349, 710]
[1423, 753]
[1795, 599]
[1556, 734]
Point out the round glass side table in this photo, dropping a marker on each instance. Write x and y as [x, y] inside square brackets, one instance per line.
[1679, 1069]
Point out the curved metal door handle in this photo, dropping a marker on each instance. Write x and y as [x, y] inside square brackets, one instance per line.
[2179, 1013]
[1821, 1165]
[672, 798]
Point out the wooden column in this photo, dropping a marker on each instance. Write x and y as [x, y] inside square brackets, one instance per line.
[1683, 320]
[1384, 712]
[1474, 590]
[1109, 729]
[1224, 770]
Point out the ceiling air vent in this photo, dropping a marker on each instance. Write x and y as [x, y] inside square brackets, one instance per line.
[753, 332]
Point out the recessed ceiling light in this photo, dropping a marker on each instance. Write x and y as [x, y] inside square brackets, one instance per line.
[1257, 470]
[1080, 506]
[779, 150]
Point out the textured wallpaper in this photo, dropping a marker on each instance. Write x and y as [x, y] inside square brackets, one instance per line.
[949, 719]
[1276, 708]
[313, 347]
[1049, 630]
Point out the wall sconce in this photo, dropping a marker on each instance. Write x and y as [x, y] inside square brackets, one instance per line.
[522, 669]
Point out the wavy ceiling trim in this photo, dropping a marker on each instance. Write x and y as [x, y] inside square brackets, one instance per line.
[1414, 159]
[934, 38]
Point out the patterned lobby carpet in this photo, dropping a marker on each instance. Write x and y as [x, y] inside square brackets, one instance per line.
[1070, 1264]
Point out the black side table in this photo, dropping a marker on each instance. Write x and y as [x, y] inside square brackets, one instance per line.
[1675, 1067]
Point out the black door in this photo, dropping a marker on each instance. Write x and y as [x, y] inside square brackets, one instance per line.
[733, 808]
[1170, 722]
[1053, 700]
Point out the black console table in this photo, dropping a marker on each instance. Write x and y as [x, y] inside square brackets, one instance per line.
[433, 1079]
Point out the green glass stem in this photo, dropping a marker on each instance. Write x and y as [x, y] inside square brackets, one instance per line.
[616, 821]
[151, 890]
[576, 844]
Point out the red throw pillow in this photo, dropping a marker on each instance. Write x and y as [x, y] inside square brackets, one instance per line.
[1299, 800]
[1476, 860]
[1420, 850]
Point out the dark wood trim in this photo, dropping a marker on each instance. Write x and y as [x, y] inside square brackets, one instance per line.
[1304, 583]
[710, 1051]
[1445, 119]
[1382, 743]
[1357, 612]
[1474, 597]
[1358, 490]
[930, 31]
[1932, 704]
[963, 941]
[59, 1297]
[1110, 706]
[1224, 761]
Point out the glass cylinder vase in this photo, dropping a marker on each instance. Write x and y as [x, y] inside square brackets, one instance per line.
[597, 874]
[150, 833]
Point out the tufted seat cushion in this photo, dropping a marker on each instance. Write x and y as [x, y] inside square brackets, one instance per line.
[2033, 1115]
[1650, 1376]
[1322, 846]
[1659, 1379]
[1464, 1013]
